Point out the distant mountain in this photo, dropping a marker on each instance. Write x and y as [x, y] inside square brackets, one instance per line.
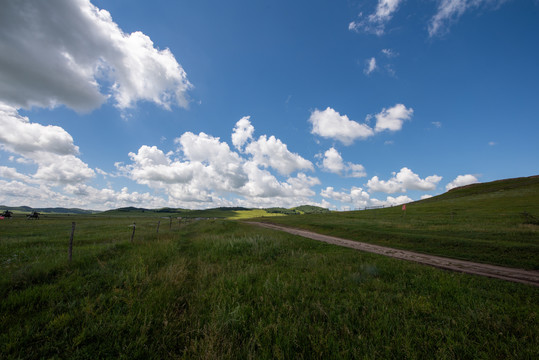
[56, 210]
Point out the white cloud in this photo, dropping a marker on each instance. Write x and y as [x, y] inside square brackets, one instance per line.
[13, 192]
[437, 124]
[152, 165]
[391, 201]
[403, 181]
[449, 11]
[209, 172]
[376, 22]
[50, 147]
[243, 132]
[16, 193]
[67, 52]
[333, 162]
[392, 118]
[330, 124]
[371, 66]
[102, 199]
[267, 152]
[358, 198]
[66, 169]
[19, 135]
[389, 53]
[12, 173]
[271, 152]
[462, 180]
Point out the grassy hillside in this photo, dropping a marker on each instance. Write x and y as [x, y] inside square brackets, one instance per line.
[495, 222]
[234, 213]
[222, 289]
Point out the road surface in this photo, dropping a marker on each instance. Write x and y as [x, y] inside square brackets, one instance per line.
[530, 277]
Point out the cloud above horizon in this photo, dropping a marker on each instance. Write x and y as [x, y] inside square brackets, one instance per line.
[403, 181]
[357, 198]
[71, 53]
[462, 180]
[332, 125]
[64, 53]
[333, 162]
[50, 147]
[205, 169]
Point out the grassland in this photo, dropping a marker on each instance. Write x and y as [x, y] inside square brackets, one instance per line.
[495, 223]
[223, 289]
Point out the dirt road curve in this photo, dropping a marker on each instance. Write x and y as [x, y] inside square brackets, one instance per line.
[516, 275]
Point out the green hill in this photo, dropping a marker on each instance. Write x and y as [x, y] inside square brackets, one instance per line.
[497, 189]
[220, 212]
[311, 209]
[495, 222]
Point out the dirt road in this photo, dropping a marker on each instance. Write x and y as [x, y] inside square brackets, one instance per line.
[511, 274]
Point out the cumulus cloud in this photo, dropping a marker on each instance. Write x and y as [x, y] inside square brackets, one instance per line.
[267, 151]
[98, 199]
[391, 201]
[50, 147]
[271, 152]
[375, 23]
[392, 119]
[333, 162]
[66, 53]
[243, 132]
[403, 181]
[74, 195]
[330, 124]
[358, 198]
[13, 191]
[449, 11]
[60, 170]
[72, 53]
[462, 180]
[208, 171]
[19, 135]
[12, 173]
[151, 165]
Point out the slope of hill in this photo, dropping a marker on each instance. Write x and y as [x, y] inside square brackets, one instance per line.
[220, 212]
[495, 222]
[498, 187]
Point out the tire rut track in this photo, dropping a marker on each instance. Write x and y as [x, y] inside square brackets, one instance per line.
[530, 277]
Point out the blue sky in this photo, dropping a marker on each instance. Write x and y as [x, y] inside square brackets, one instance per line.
[197, 104]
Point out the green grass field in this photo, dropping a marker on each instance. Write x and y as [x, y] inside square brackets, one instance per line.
[223, 289]
[496, 223]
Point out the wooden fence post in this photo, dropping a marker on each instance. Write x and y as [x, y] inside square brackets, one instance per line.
[158, 223]
[133, 234]
[70, 252]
